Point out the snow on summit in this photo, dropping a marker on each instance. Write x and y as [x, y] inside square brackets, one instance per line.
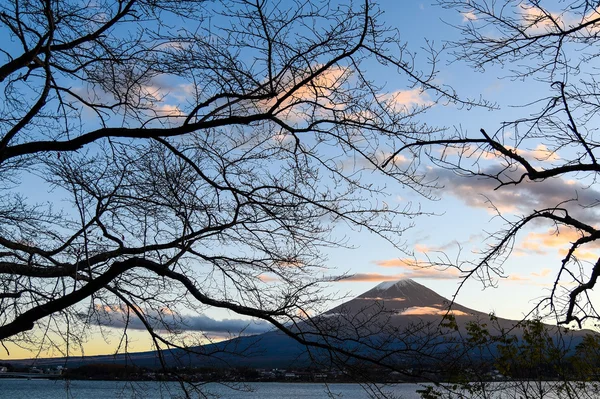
[386, 285]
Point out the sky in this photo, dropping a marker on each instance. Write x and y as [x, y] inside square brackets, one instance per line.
[463, 218]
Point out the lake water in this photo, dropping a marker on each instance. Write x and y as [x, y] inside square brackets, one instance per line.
[48, 389]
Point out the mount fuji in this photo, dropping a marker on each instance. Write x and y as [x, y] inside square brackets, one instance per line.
[401, 317]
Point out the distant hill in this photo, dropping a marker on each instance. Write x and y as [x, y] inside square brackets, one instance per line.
[396, 321]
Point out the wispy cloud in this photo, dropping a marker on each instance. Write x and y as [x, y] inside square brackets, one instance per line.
[542, 273]
[533, 278]
[402, 99]
[557, 241]
[581, 254]
[417, 268]
[267, 278]
[424, 273]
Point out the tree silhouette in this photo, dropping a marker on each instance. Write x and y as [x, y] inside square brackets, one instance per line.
[555, 139]
[161, 158]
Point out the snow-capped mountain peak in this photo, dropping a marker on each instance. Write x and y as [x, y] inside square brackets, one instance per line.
[386, 285]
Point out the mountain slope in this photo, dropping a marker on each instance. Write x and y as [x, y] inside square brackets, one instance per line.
[399, 321]
[404, 298]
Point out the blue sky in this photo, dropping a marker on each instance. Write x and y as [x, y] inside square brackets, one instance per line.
[465, 218]
[461, 217]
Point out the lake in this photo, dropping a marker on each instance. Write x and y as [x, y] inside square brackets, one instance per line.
[48, 389]
[58, 389]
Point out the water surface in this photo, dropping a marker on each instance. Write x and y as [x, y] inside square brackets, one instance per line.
[58, 389]
[48, 389]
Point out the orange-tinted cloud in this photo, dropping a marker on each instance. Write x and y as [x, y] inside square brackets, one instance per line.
[540, 20]
[546, 242]
[320, 90]
[425, 273]
[533, 278]
[540, 153]
[429, 311]
[402, 99]
[267, 278]
[517, 277]
[542, 273]
[581, 254]
[396, 262]
[372, 277]
[422, 248]
[412, 268]
[383, 299]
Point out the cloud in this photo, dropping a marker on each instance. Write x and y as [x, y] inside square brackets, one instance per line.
[410, 264]
[425, 273]
[540, 20]
[115, 316]
[469, 16]
[542, 273]
[540, 153]
[323, 85]
[517, 277]
[479, 192]
[267, 278]
[580, 255]
[533, 278]
[541, 243]
[592, 15]
[467, 151]
[207, 324]
[357, 163]
[412, 268]
[378, 298]
[167, 110]
[320, 90]
[422, 248]
[439, 250]
[551, 238]
[429, 311]
[382, 157]
[396, 262]
[402, 99]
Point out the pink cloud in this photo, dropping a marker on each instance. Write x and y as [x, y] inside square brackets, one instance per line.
[384, 299]
[266, 278]
[429, 311]
[542, 273]
[517, 277]
[407, 98]
[414, 268]
[581, 255]
[432, 274]
[544, 242]
[397, 262]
